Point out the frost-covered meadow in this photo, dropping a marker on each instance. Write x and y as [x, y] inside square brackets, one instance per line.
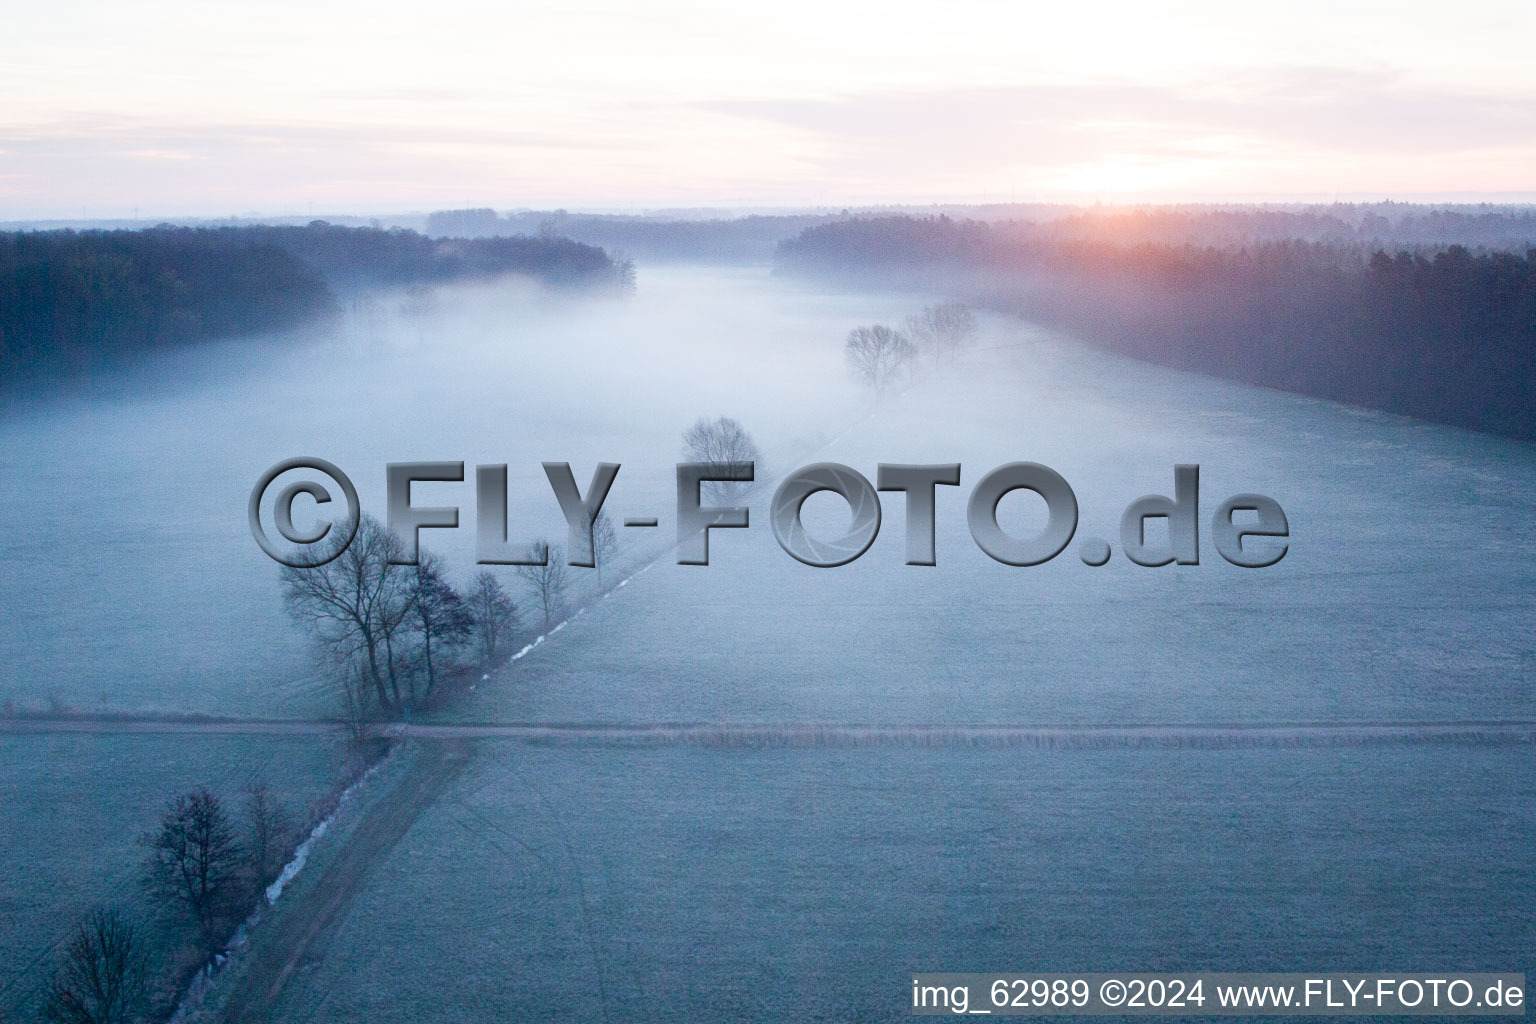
[667, 884]
[599, 881]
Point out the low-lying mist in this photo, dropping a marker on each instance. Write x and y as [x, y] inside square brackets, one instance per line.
[136, 585]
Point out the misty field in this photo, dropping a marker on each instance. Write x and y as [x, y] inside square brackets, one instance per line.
[75, 805]
[506, 879]
[664, 884]
[1193, 346]
[1404, 594]
[140, 588]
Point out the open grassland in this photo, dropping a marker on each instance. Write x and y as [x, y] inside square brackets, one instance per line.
[802, 872]
[1404, 595]
[139, 588]
[597, 883]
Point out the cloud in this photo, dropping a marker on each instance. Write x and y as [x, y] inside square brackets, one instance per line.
[124, 134]
[1270, 133]
[1274, 113]
[213, 167]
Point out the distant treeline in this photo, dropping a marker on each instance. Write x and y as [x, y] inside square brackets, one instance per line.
[717, 237]
[1438, 332]
[749, 239]
[74, 300]
[1379, 225]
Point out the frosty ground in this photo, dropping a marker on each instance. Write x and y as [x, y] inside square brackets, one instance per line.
[603, 881]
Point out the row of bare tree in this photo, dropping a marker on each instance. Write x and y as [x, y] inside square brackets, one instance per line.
[388, 629]
[391, 632]
[882, 356]
[206, 872]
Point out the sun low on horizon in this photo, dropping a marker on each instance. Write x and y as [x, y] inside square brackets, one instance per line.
[172, 108]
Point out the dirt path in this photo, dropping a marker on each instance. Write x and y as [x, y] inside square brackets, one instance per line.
[841, 734]
[792, 734]
[295, 936]
[118, 724]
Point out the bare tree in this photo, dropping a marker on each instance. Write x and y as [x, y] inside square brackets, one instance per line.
[495, 617]
[605, 542]
[356, 604]
[624, 271]
[719, 440]
[105, 975]
[548, 581]
[194, 861]
[353, 690]
[880, 355]
[269, 835]
[437, 614]
[943, 329]
[420, 302]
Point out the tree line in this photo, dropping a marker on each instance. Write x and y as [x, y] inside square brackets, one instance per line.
[205, 870]
[400, 636]
[395, 634]
[72, 301]
[1442, 333]
[677, 235]
[396, 637]
[392, 633]
[1373, 225]
[882, 356]
[730, 240]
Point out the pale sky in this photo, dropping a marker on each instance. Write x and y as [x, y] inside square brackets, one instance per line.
[178, 108]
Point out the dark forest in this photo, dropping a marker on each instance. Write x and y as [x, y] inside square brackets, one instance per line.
[1441, 332]
[71, 301]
